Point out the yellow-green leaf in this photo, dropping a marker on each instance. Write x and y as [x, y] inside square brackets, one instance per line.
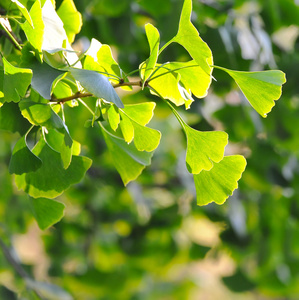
[189, 38]
[219, 183]
[153, 37]
[204, 148]
[260, 88]
[71, 18]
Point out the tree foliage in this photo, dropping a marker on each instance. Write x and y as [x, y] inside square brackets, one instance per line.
[45, 86]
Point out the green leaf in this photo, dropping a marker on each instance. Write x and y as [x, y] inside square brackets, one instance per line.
[113, 117]
[11, 119]
[42, 114]
[260, 88]
[153, 37]
[51, 179]
[193, 78]
[24, 11]
[127, 128]
[203, 148]
[46, 212]
[56, 140]
[43, 78]
[189, 38]
[99, 58]
[13, 75]
[167, 86]
[142, 113]
[22, 159]
[128, 161]
[97, 84]
[35, 34]
[71, 18]
[145, 138]
[219, 183]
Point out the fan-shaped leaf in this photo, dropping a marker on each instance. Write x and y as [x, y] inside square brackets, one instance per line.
[219, 183]
[260, 88]
[46, 211]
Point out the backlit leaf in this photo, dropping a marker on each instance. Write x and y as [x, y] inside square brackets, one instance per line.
[46, 211]
[24, 11]
[113, 117]
[71, 18]
[204, 148]
[153, 37]
[189, 38]
[219, 183]
[127, 128]
[22, 159]
[51, 179]
[142, 113]
[260, 88]
[13, 75]
[145, 138]
[35, 34]
[97, 84]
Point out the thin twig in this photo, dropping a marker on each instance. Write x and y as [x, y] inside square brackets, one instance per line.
[84, 95]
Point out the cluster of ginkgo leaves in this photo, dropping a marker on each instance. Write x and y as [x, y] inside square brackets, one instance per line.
[43, 73]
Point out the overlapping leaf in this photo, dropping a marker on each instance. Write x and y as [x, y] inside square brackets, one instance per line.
[128, 161]
[51, 179]
[71, 18]
[24, 11]
[153, 37]
[219, 183]
[22, 159]
[13, 75]
[97, 84]
[35, 33]
[99, 58]
[46, 211]
[260, 88]
[41, 114]
[189, 38]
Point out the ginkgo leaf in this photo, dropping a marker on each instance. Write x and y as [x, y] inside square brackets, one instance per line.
[189, 38]
[113, 117]
[54, 36]
[128, 161]
[43, 78]
[46, 212]
[24, 11]
[41, 114]
[142, 113]
[145, 138]
[13, 75]
[127, 128]
[71, 18]
[193, 78]
[260, 88]
[35, 33]
[153, 37]
[166, 85]
[22, 159]
[97, 84]
[99, 57]
[219, 183]
[51, 179]
[204, 148]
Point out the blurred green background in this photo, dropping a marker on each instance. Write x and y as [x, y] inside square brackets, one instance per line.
[150, 240]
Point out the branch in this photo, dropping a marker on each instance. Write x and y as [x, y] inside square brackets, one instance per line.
[83, 95]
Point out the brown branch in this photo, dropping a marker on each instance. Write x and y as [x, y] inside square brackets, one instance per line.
[83, 95]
